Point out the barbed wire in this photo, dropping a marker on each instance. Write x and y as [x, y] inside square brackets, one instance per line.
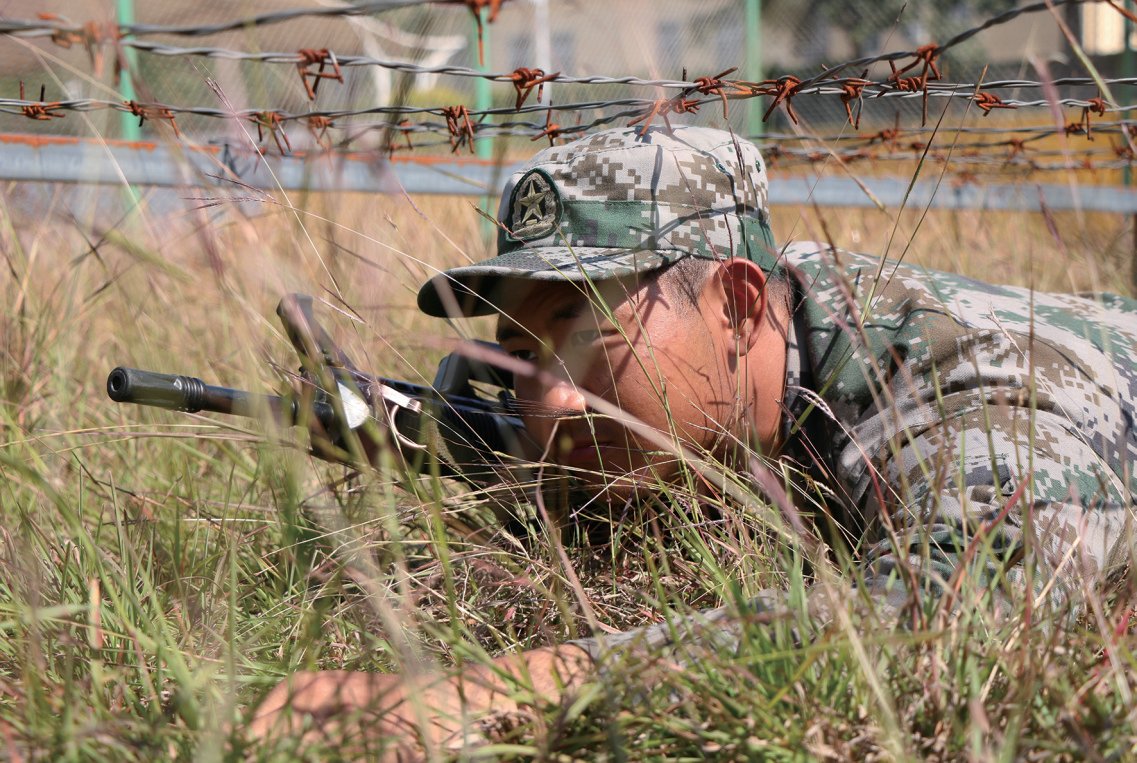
[633, 107]
[958, 39]
[1013, 153]
[741, 88]
[92, 34]
[917, 77]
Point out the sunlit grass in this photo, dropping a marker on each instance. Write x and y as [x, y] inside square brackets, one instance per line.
[159, 572]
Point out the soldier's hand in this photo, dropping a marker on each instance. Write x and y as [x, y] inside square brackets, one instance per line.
[387, 717]
[356, 714]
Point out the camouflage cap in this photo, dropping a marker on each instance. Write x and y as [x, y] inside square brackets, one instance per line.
[615, 203]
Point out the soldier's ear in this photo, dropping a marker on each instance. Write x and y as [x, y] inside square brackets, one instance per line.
[743, 285]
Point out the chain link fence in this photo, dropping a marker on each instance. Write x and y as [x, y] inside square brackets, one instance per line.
[654, 39]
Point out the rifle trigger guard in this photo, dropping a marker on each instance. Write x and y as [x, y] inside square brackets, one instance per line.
[393, 400]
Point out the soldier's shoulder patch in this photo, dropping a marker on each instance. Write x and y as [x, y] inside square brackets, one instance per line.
[534, 206]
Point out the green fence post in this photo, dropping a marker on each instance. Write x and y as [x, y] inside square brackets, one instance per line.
[1127, 67]
[130, 127]
[754, 63]
[131, 130]
[483, 98]
[1127, 70]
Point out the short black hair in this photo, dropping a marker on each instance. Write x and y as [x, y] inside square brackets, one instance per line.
[684, 279]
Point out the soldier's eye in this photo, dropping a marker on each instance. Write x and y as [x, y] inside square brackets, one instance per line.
[529, 356]
[584, 338]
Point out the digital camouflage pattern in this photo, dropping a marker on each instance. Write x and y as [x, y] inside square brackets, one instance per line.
[967, 429]
[945, 401]
[615, 203]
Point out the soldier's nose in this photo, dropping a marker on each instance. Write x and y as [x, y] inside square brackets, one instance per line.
[563, 395]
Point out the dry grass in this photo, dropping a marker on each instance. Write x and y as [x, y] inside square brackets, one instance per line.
[159, 571]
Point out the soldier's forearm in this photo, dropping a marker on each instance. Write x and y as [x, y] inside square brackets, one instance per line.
[414, 713]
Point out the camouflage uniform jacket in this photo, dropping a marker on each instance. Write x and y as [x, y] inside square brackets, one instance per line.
[965, 421]
[958, 424]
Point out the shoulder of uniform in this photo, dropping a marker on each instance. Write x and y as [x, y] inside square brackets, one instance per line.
[814, 254]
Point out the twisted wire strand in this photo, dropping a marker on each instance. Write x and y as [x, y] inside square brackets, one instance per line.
[1010, 146]
[637, 105]
[60, 26]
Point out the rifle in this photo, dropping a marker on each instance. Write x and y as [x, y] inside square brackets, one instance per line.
[451, 422]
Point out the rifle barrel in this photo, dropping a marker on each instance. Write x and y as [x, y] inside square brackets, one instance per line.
[191, 395]
[471, 433]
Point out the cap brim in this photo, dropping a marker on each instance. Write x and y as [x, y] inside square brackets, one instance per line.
[474, 290]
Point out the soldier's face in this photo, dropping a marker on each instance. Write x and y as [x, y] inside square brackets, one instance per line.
[664, 365]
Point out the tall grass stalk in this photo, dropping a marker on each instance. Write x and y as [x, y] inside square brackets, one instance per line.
[159, 572]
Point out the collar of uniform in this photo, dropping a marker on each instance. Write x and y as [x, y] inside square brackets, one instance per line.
[798, 377]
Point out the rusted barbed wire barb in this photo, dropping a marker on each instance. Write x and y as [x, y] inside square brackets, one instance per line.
[714, 86]
[476, 7]
[783, 89]
[39, 111]
[907, 85]
[1018, 150]
[460, 127]
[661, 108]
[319, 126]
[273, 122]
[404, 127]
[64, 38]
[887, 136]
[927, 55]
[144, 112]
[310, 57]
[851, 90]
[524, 80]
[1097, 106]
[1094, 106]
[773, 155]
[820, 157]
[552, 130]
[1128, 133]
[93, 36]
[915, 85]
[987, 101]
